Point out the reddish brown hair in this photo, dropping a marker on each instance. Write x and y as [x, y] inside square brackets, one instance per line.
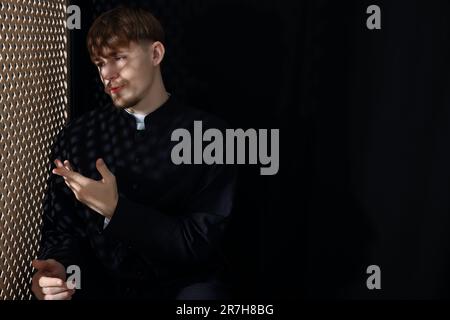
[119, 26]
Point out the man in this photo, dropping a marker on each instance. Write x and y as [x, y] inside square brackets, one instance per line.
[137, 225]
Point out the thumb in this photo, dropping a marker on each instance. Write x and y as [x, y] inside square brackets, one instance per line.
[42, 264]
[103, 169]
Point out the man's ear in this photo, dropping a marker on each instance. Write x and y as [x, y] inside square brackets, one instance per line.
[158, 52]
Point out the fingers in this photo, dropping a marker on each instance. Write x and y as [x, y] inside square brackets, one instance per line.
[58, 163]
[72, 176]
[49, 288]
[67, 165]
[72, 179]
[51, 282]
[103, 169]
[53, 290]
[66, 295]
[66, 171]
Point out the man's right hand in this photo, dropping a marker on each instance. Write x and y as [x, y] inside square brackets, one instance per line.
[49, 282]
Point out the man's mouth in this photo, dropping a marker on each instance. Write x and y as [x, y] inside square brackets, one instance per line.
[114, 90]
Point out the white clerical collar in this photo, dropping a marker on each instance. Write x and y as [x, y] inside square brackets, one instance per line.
[140, 119]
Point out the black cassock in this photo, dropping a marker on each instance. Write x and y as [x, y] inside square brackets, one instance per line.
[166, 231]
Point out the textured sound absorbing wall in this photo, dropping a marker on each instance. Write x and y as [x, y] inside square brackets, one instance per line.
[33, 108]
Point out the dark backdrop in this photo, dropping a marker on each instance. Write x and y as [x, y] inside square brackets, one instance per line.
[363, 118]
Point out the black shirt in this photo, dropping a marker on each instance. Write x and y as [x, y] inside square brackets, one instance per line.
[166, 229]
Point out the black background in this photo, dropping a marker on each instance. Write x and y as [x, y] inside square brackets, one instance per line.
[364, 128]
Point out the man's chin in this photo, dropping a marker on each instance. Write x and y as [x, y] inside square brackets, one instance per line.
[120, 104]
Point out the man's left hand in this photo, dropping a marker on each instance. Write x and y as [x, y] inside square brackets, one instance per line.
[101, 196]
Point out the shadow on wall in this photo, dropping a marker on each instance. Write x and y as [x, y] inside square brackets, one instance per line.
[340, 243]
[234, 60]
[321, 240]
[234, 54]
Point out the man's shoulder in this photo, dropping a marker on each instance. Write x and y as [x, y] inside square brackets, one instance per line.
[207, 118]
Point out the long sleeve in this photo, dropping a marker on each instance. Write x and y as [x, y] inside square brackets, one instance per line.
[186, 238]
[61, 228]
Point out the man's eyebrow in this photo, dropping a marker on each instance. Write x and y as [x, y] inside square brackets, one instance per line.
[111, 54]
[119, 51]
[114, 53]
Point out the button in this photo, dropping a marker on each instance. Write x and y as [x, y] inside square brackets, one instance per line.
[137, 160]
[135, 186]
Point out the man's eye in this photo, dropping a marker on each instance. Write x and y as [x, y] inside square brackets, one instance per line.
[118, 58]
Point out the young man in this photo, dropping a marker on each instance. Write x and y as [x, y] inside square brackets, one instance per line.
[137, 225]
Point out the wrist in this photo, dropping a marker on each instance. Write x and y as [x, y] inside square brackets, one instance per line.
[112, 209]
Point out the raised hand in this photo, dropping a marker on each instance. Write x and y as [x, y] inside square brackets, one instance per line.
[101, 196]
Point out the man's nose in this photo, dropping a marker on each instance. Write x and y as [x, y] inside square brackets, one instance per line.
[109, 72]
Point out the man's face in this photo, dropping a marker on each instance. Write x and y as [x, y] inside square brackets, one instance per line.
[127, 73]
